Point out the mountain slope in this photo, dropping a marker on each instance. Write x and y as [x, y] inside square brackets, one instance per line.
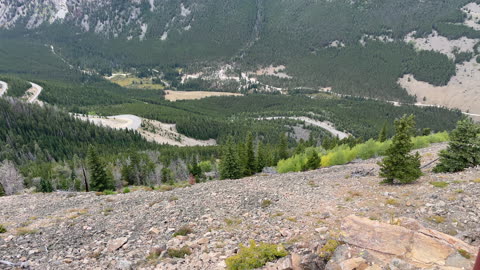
[84, 230]
[322, 43]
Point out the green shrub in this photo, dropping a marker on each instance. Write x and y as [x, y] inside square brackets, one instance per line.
[109, 192]
[3, 229]
[126, 190]
[179, 253]
[205, 166]
[255, 256]
[343, 154]
[184, 230]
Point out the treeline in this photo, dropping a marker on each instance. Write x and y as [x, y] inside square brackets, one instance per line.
[16, 86]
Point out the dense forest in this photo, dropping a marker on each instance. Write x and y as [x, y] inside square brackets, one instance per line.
[217, 117]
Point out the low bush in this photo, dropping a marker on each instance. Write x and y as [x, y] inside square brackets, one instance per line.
[343, 154]
[255, 256]
[179, 253]
[183, 231]
[3, 229]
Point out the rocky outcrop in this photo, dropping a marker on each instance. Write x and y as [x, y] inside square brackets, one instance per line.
[406, 244]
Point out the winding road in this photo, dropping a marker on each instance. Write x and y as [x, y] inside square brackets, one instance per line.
[3, 88]
[325, 125]
[124, 121]
[32, 94]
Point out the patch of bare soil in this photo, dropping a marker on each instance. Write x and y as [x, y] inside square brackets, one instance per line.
[462, 92]
[190, 95]
[161, 133]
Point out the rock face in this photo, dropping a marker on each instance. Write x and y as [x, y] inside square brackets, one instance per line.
[385, 244]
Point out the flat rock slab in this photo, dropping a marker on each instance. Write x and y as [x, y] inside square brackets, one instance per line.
[419, 247]
[116, 244]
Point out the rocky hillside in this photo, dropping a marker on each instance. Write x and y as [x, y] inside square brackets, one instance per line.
[300, 210]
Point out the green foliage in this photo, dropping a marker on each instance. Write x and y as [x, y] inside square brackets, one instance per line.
[399, 166]
[16, 86]
[219, 117]
[230, 167]
[183, 231]
[206, 166]
[3, 229]
[343, 154]
[463, 150]
[255, 256]
[250, 166]
[44, 134]
[313, 161]
[382, 136]
[126, 190]
[439, 184]
[45, 186]
[179, 253]
[329, 248]
[99, 178]
[137, 171]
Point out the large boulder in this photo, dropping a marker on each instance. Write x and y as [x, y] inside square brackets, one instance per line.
[403, 245]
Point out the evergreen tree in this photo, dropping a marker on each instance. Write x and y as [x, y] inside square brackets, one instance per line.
[99, 179]
[250, 167]
[383, 133]
[229, 165]
[242, 158]
[463, 150]
[283, 147]
[313, 161]
[399, 166]
[262, 157]
[45, 186]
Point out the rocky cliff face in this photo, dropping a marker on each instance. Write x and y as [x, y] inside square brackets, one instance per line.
[112, 18]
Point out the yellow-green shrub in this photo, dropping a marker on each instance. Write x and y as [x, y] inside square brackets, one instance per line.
[255, 256]
[343, 154]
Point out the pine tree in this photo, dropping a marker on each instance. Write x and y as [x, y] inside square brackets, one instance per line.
[283, 147]
[383, 133]
[229, 164]
[463, 151]
[313, 161]
[99, 179]
[262, 157]
[250, 167]
[399, 166]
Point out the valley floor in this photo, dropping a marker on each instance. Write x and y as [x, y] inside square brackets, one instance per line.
[85, 231]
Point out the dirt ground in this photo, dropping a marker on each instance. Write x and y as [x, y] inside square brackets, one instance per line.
[189, 95]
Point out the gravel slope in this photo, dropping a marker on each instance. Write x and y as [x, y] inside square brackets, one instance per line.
[82, 230]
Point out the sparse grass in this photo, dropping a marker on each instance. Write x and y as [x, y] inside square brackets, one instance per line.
[255, 256]
[3, 229]
[173, 198]
[179, 253]
[266, 203]
[465, 254]
[107, 211]
[391, 201]
[439, 184]
[232, 221]
[183, 231]
[477, 181]
[436, 219]
[278, 214]
[291, 219]
[329, 248]
[106, 192]
[126, 190]
[312, 184]
[348, 199]
[459, 191]
[355, 193]
[25, 231]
